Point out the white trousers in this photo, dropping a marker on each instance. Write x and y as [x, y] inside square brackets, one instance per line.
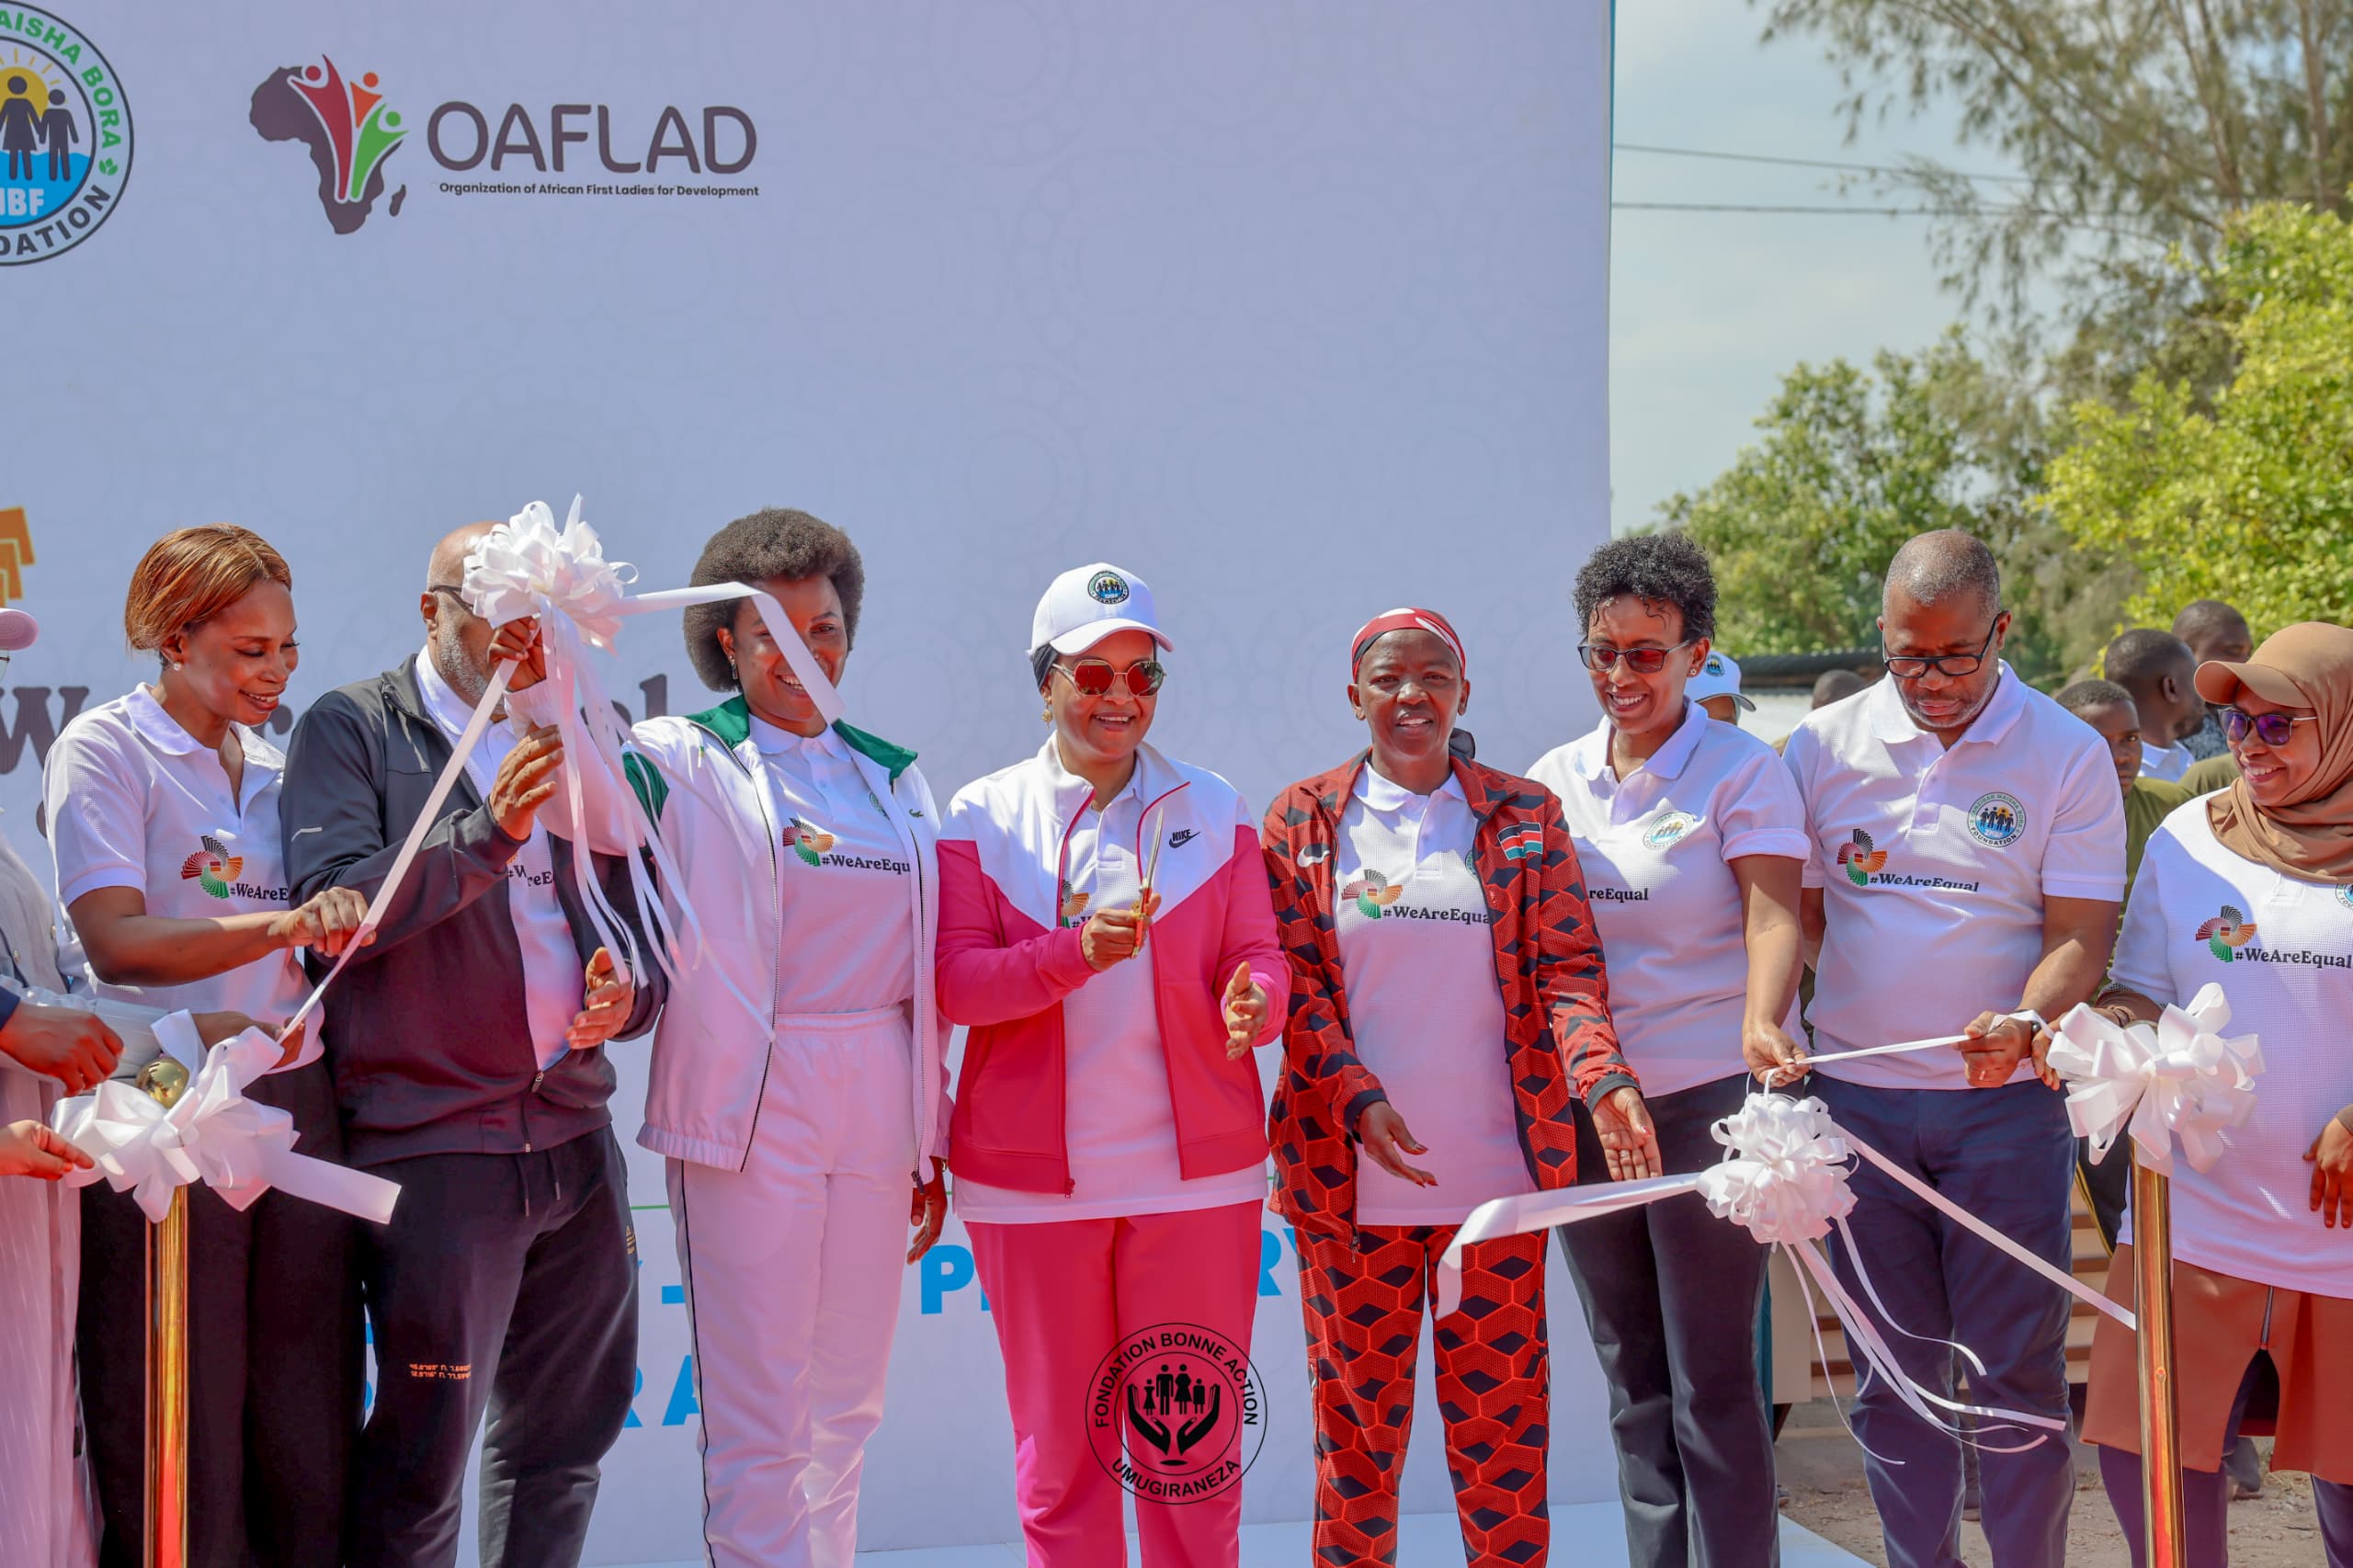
[793, 1268]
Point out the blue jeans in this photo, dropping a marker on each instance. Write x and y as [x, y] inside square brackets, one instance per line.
[2006, 1157]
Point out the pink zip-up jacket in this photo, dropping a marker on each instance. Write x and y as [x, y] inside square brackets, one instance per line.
[1007, 960]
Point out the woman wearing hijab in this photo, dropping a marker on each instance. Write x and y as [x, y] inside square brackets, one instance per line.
[1692, 838]
[798, 1080]
[1449, 1013]
[1104, 931]
[163, 815]
[2252, 887]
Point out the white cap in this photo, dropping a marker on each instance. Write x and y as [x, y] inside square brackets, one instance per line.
[1087, 603]
[1719, 676]
[17, 631]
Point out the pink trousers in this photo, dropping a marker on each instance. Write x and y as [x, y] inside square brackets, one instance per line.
[1063, 1295]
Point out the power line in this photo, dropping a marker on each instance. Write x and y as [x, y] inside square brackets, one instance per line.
[1799, 163]
[2102, 224]
[1842, 212]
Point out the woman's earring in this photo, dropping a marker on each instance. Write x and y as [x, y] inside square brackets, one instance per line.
[1046, 714]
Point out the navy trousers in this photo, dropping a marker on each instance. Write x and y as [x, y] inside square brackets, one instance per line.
[2006, 1157]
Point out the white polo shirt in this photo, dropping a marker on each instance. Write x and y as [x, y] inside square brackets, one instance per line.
[2282, 951]
[1417, 963]
[136, 802]
[2165, 763]
[1118, 1122]
[555, 982]
[1934, 863]
[843, 943]
[1654, 847]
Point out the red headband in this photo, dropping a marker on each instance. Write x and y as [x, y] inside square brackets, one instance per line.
[1406, 620]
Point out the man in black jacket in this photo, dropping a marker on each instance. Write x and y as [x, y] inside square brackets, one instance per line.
[468, 1050]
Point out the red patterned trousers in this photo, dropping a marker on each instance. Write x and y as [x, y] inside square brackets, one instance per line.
[1364, 1304]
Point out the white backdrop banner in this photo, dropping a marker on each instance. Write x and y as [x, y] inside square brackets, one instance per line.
[1296, 309]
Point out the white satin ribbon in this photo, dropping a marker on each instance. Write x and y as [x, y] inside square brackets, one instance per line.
[2178, 1078]
[1785, 1180]
[238, 1147]
[1784, 1074]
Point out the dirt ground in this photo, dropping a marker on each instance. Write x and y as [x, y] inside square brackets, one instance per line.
[1822, 1476]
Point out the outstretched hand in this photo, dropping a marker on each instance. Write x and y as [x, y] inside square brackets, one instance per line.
[1382, 1134]
[27, 1148]
[1246, 1012]
[1629, 1142]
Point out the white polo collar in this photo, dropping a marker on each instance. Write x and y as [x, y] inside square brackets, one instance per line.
[1153, 776]
[1590, 758]
[774, 739]
[158, 729]
[1384, 794]
[1892, 722]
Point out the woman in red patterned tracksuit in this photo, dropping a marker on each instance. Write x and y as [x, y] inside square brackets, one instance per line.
[1445, 973]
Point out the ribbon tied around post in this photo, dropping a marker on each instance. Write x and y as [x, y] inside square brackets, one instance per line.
[2178, 1078]
[239, 1148]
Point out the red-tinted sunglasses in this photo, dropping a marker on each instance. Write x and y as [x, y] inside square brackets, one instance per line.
[1095, 677]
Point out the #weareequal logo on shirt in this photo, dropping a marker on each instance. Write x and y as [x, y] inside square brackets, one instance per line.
[2230, 936]
[807, 840]
[813, 845]
[1860, 860]
[1373, 893]
[212, 867]
[2226, 933]
[216, 871]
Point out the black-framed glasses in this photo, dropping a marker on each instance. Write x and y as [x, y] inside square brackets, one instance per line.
[1642, 661]
[2271, 729]
[1096, 678]
[1912, 666]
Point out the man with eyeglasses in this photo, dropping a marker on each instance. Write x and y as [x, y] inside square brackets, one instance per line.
[1968, 863]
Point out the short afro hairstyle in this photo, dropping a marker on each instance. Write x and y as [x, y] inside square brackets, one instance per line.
[1662, 568]
[2080, 697]
[2140, 658]
[774, 542]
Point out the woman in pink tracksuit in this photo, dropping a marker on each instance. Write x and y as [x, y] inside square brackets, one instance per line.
[1107, 931]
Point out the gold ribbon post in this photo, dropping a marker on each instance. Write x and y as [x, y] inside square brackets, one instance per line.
[2152, 1300]
[165, 1081]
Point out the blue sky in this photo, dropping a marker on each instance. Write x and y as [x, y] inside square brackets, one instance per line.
[1708, 310]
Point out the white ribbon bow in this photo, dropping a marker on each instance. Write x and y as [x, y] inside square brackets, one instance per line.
[2178, 1078]
[237, 1147]
[1784, 1172]
[527, 566]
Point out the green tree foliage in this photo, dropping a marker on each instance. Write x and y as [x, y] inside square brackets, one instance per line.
[2250, 501]
[1852, 462]
[2134, 125]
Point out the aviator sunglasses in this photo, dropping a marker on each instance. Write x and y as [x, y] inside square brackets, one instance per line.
[2271, 729]
[1642, 661]
[1095, 677]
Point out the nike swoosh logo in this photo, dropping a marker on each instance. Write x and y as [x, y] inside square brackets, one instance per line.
[1181, 837]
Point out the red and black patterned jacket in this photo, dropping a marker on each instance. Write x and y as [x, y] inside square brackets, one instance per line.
[1557, 1035]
